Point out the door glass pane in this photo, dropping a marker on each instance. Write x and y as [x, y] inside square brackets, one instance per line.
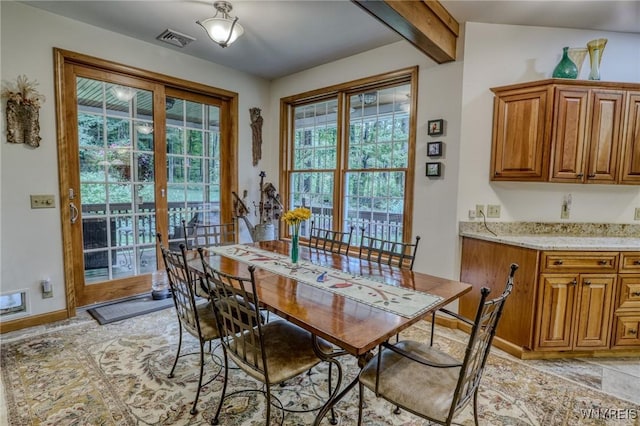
[115, 129]
[193, 165]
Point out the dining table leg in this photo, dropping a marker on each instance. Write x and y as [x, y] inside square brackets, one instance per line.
[336, 396]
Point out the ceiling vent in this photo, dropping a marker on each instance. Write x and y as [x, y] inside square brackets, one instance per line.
[175, 38]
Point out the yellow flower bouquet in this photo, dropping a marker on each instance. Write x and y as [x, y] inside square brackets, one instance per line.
[294, 218]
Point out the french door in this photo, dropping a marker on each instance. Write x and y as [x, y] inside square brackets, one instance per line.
[139, 157]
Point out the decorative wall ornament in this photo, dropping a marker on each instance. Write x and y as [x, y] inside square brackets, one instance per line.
[256, 133]
[23, 111]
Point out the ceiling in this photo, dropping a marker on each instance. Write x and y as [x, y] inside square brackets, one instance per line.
[284, 37]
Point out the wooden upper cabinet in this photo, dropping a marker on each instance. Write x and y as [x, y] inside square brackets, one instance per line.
[571, 131]
[521, 135]
[630, 158]
[568, 147]
[604, 135]
[586, 134]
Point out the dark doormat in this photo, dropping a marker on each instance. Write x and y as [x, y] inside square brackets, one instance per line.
[113, 312]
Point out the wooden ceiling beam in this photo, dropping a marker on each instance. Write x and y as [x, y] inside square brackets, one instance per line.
[424, 23]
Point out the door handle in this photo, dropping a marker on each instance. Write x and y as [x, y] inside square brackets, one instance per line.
[74, 212]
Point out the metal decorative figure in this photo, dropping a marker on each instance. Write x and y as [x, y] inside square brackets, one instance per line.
[256, 133]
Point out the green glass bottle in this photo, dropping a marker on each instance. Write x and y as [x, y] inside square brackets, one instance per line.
[565, 68]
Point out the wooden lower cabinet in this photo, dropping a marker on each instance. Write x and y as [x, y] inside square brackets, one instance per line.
[555, 311]
[574, 311]
[626, 331]
[564, 302]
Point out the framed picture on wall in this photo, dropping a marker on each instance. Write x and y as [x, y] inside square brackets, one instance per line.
[434, 149]
[434, 169]
[435, 127]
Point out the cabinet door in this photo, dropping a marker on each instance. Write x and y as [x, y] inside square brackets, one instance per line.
[569, 132]
[604, 135]
[594, 311]
[555, 311]
[521, 133]
[630, 164]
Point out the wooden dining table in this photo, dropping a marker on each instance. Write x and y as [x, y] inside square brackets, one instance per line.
[355, 327]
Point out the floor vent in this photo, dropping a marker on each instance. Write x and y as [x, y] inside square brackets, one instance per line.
[175, 38]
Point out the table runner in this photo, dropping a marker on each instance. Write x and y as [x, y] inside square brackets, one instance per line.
[398, 300]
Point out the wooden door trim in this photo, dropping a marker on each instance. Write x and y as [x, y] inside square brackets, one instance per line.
[65, 92]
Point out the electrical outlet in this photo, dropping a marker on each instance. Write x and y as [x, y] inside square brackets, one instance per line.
[636, 216]
[479, 210]
[472, 214]
[493, 210]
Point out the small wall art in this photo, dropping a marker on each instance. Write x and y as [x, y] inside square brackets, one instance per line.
[435, 127]
[434, 169]
[23, 111]
[434, 149]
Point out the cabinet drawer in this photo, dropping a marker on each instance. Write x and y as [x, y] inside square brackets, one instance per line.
[630, 262]
[629, 292]
[558, 261]
[627, 333]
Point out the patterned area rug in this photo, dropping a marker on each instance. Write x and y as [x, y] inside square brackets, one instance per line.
[116, 374]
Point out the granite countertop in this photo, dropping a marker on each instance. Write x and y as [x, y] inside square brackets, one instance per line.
[597, 237]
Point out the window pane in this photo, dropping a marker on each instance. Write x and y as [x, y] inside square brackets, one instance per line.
[315, 191]
[370, 201]
[376, 159]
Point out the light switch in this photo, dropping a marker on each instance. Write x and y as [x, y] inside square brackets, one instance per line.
[43, 201]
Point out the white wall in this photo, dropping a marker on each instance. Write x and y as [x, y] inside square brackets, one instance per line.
[31, 242]
[439, 94]
[458, 92]
[498, 55]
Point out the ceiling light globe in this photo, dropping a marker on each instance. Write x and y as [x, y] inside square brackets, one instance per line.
[218, 30]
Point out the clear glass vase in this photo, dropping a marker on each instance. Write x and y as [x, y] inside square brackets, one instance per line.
[577, 55]
[596, 48]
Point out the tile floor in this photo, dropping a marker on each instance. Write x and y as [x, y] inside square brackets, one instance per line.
[615, 376]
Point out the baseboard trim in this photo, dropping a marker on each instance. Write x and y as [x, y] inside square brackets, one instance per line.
[31, 321]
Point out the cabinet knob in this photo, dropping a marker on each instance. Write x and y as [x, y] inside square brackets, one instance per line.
[558, 262]
[634, 332]
[587, 283]
[591, 175]
[574, 282]
[497, 174]
[580, 175]
[636, 262]
[603, 262]
[635, 293]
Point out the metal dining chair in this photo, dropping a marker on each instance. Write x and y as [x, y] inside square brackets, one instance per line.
[330, 241]
[214, 235]
[195, 318]
[189, 231]
[431, 383]
[271, 352]
[393, 253]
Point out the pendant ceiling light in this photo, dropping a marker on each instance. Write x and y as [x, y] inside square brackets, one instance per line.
[222, 28]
